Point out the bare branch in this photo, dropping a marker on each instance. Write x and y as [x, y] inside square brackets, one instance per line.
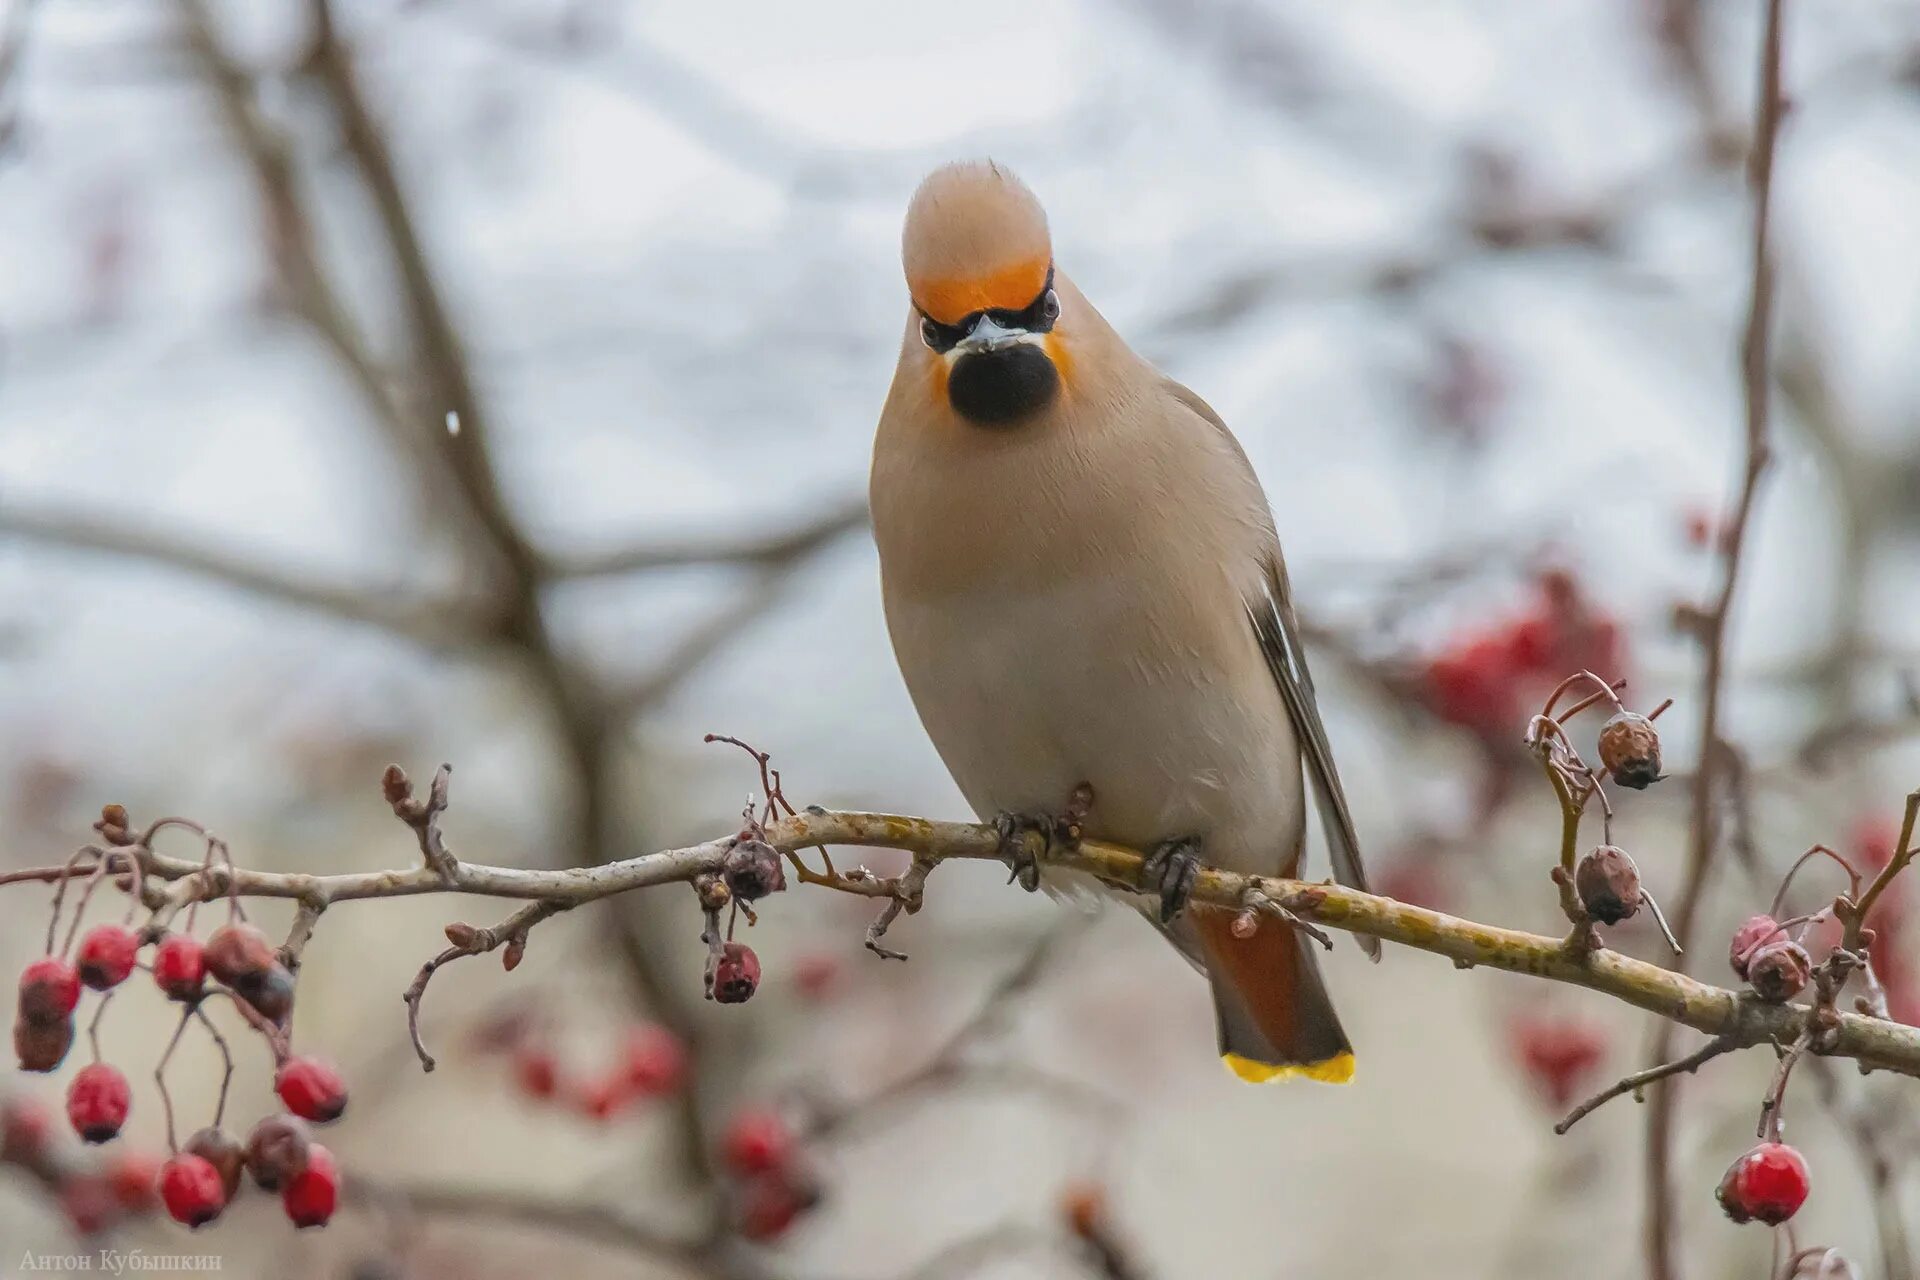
[1704, 826]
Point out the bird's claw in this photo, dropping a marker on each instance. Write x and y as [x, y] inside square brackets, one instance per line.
[1057, 832]
[1170, 870]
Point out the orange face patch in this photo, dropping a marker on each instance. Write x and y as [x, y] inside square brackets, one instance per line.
[1011, 288]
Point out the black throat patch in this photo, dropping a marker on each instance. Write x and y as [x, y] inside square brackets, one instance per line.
[999, 388]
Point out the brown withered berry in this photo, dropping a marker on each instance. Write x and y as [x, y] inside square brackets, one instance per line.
[42, 1046]
[752, 870]
[277, 1151]
[223, 1151]
[238, 951]
[1748, 938]
[736, 975]
[1608, 884]
[1778, 971]
[1630, 750]
[270, 990]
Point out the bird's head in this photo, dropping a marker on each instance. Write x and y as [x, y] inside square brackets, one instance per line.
[979, 267]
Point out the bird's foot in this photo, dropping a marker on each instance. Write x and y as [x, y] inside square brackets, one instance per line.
[1170, 870]
[1057, 832]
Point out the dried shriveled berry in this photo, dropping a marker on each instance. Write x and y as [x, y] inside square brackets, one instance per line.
[270, 990]
[1630, 750]
[223, 1151]
[311, 1089]
[277, 1151]
[180, 966]
[1748, 939]
[1608, 884]
[106, 956]
[98, 1101]
[239, 951]
[753, 870]
[757, 1140]
[42, 1046]
[655, 1060]
[49, 991]
[309, 1196]
[1779, 970]
[191, 1189]
[736, 975]
[1768, 1184]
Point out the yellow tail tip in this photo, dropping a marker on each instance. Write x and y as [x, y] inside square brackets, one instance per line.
[1335, 1070]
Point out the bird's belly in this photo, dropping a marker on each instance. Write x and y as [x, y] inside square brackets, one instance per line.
[1028, 697]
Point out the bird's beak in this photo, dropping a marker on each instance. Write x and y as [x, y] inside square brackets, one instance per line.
[987, 335]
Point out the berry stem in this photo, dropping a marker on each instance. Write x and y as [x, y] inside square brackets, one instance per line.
[226, 1059]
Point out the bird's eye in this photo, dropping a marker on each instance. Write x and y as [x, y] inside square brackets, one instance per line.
[929, 333]
[1050, 306]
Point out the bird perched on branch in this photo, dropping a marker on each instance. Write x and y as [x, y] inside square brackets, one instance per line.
[1085, 593]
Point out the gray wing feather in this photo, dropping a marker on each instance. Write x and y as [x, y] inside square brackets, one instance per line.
[1279, 636]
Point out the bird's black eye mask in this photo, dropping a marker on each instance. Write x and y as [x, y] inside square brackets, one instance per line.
[1036, 317]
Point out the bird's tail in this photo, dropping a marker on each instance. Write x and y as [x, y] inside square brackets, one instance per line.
[1276, 1020]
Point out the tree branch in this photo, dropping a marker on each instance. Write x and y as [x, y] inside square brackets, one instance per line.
[1738, 1018]
[1703, 825]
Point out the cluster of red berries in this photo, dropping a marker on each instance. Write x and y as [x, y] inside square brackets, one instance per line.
[651, 1063]
[199, 1180]
[203, 1177]
[772, 1186]
[1557, 1054]
[237, 954]
[1483, 680]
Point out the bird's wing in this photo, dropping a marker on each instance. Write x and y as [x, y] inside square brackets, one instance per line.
[1278, 631]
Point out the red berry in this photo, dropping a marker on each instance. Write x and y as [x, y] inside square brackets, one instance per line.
[97, 1102]
[107, 953]
[537, 1070]
[817, 974]
[277, 1151]
[180, 966]
[239, 951]
[1559, 1055]
[605, 1097]
[737, 974]
[1748, 938]
[49, 991]
[656, 1061]
[311, 1089]
[134, 1177]
[192, 1190]
[42, 1046]
[223, 1151]
[1769, 1183]
[768, 1207]
[25, 1129]
[756, 1141]
[310, 1196]
[89, 1204]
